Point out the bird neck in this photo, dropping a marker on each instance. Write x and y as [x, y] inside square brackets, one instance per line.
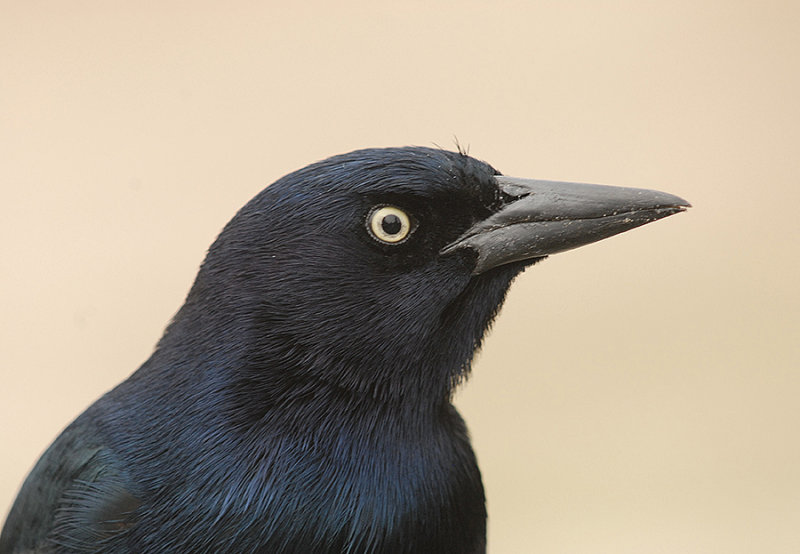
[260, 354]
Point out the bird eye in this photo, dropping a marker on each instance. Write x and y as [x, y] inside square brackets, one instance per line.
[389, 224]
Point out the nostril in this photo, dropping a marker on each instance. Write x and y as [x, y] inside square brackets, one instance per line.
[509, 191]
[507, 195]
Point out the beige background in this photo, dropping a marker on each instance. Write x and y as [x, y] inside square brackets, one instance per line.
[638, 395]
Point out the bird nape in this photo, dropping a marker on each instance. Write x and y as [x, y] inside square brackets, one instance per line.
[300, 399]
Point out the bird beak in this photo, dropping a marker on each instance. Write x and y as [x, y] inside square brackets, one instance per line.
[546, 217]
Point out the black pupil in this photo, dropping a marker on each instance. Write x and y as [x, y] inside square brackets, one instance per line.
[391, 224]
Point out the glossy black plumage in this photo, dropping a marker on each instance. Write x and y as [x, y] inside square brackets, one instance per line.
[299, 401]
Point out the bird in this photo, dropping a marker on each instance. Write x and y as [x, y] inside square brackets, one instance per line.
[300, 400]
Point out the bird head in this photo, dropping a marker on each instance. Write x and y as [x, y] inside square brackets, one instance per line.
[378, 272]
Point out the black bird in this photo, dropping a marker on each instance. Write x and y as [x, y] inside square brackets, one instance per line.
[300, 400]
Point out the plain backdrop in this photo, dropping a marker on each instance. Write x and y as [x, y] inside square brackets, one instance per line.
[636, 395]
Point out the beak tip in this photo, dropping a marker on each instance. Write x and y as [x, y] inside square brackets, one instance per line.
[682, 204]
[661, 200]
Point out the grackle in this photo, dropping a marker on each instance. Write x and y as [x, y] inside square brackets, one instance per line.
[300, 399]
